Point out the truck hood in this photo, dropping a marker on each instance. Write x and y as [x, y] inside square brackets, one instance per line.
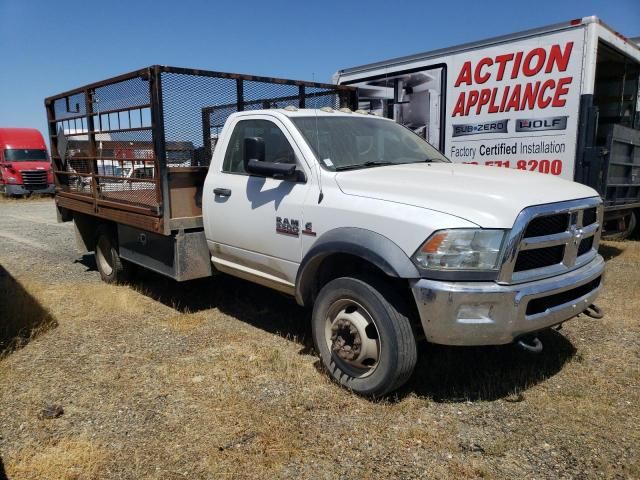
[490, 197]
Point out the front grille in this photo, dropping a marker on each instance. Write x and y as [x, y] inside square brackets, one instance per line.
[538, 258]
[547, 225]
[590, 216]
[539, 305]
[585, 245]
[34, 179]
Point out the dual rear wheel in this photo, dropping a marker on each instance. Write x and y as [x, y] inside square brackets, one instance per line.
[111, 267]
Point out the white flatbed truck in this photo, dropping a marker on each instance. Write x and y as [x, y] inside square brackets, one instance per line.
[353, 215]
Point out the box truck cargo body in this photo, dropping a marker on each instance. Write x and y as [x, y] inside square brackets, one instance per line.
[562, 100]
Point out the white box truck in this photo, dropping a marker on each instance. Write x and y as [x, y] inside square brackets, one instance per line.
[562, 100]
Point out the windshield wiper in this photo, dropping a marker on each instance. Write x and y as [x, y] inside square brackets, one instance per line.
[371, 163]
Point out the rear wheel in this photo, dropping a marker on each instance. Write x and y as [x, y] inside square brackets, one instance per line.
[362, 335]
[111, 267]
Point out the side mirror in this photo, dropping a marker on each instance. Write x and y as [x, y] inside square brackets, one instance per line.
[254, 162]
[253, 150]
[271, 169]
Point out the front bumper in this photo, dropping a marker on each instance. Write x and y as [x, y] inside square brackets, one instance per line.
[486, 313]
[10, 189]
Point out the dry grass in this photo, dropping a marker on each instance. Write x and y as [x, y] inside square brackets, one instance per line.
[64, 459]
[215, 379]
[21, 316]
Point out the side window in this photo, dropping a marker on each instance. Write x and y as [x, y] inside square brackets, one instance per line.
[276, 146]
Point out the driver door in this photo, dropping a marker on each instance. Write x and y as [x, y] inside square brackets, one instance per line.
[255, 222]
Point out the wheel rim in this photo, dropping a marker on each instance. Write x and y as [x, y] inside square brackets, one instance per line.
[352, 338]
[103, 255]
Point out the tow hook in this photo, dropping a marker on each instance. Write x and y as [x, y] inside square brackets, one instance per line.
[530, 344]
[594, 311]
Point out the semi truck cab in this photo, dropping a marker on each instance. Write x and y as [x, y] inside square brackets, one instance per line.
[24, 163]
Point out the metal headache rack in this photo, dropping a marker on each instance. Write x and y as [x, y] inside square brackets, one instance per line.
[135, 148]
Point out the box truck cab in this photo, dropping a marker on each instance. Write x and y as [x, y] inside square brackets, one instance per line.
[561, 100]
[24, 163]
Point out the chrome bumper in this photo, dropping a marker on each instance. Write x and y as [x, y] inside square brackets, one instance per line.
[486, 313]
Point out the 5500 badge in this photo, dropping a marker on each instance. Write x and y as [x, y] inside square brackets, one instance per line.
[291, 226]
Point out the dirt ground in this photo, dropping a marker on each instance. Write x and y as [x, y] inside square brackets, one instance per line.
[217, 379]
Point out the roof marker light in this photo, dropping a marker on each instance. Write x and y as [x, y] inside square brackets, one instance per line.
[326, 109]
[290, 108]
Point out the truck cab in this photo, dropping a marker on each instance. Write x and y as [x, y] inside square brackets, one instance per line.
[24, 163]
[360, 219]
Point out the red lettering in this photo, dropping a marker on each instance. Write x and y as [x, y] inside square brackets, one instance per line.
[459, 108]
[544, 102]
[530, 95]
[504, 98]
[561, 90]
[502, 61]
[473, 99]
[465, 74]
[478, 76]
[560, 59]
[514, 100]
[527, 69]
[485, 94]
[493, 108]
[516, 67]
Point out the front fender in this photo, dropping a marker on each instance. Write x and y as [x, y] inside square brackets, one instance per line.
[366, 244]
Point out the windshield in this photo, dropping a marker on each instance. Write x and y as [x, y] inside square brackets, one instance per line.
[343, 143]
[24, 155]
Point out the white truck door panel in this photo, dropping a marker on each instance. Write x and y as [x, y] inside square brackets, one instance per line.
[255, 222]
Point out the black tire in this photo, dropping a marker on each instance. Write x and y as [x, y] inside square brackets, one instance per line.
[393, 337]
[111, 267]
[631, 226]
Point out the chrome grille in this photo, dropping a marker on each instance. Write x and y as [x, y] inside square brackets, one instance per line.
[585, 246]
[34, 179]
[547, 225]
[538, 258]
[551, 239]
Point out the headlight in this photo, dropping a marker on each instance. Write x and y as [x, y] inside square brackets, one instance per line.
[461, 249]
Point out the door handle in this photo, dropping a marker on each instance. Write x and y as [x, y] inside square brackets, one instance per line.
[222, 192]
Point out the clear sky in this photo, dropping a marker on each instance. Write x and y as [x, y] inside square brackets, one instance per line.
[48, 46]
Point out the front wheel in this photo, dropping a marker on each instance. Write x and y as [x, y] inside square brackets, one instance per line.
[364, 339]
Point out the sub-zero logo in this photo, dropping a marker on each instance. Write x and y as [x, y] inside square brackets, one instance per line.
[540, 124]
[496, 126]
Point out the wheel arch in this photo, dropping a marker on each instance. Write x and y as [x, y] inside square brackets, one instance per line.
[366, 247]
[88, 228]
